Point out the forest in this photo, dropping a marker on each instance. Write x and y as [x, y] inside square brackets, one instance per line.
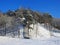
[12, 18]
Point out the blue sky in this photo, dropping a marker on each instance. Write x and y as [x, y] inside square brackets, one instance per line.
[50, 6]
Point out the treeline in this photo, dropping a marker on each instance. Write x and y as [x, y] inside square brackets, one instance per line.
[12, 18]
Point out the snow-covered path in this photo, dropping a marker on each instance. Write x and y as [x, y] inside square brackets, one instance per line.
[17, 41]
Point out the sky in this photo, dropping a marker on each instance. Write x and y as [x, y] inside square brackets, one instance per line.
[49, 6]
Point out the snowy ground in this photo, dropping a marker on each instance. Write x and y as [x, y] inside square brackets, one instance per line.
[17, 41]
[43, 37]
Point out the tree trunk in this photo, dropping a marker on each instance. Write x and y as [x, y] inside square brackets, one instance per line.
[5, 29]
[36, 28]
[26, 32]
[18, 33]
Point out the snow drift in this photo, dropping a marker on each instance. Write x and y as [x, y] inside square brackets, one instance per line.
[39, 32]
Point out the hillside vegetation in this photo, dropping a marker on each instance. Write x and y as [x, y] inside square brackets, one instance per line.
[26, 17]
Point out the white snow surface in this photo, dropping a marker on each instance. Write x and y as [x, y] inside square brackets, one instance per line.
[40, 32]
[39, 36]
[18, 41]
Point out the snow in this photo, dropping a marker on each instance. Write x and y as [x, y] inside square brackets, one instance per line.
[56, 34]
[18, 41]
[38, 36]
[38, 31]
[41, 32]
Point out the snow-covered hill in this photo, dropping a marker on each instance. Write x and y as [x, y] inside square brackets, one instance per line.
[39, 35]
[38, 31]
[41, 31]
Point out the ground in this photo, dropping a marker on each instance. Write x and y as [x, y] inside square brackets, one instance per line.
[18, 41]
